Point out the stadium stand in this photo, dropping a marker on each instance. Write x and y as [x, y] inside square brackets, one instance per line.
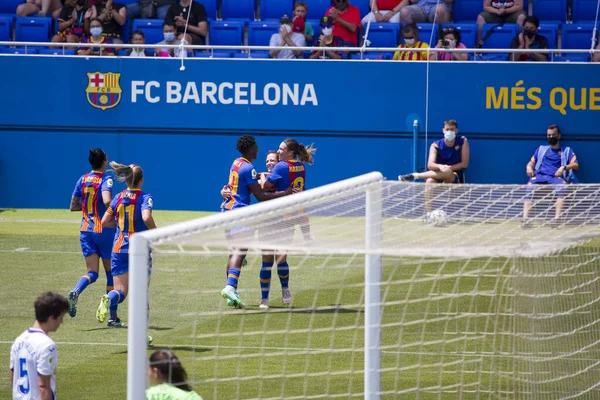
[550, 31]
[550, 10]
[428, 33]
[363, 5]
[584, 10]
[317, 8]
[222, 33]
[6, 24]
[238, 10]
[466, 11]
[9, 6]
[259, 34]
[499, 39]
[274, 9]
[383, 35]
[32, 29]
[211, 8]
[152, 29]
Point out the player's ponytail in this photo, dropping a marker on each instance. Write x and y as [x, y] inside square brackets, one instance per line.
[169, 369]
[301, 152]
[132, 174]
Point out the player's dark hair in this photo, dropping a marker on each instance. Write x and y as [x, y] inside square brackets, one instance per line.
[138, 32]
[555, 128]
[132, 174]
[451, 122]
[532, 19]
[245, 143]
[97, 158]
[170, 369]
[301, 152]
[49, 305]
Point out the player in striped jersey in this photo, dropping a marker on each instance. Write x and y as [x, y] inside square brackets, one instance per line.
[92, 195]
[243, 183]
[130, 211]
[33, 355]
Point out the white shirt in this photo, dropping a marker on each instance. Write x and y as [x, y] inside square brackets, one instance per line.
[177, 52]
[33, 353]
[277, 40]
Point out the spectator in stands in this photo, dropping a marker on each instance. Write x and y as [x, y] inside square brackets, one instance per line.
[500, 12]
[327, 39]
[300, 10]
[39, 7]
[450, 40]
[112, 15]
[96, 37]
[71, 22]
[287, 36]
[529, 39]
[197, 28]
[426, 11]
[169, 38]
[138, 37]
[551, 164]
[596, 56]
[410, 34]
[149, 9]
[347, 21]
[384, 11]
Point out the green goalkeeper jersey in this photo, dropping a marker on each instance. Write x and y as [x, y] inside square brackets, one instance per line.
[169, 392]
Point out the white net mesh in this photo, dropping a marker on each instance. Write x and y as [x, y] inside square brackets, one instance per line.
[477, 307]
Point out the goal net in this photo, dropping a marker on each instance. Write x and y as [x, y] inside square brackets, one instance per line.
[384, 304]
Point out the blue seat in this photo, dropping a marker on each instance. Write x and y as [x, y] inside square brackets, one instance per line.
[211, 8]
[584, 10]
[127, 2]
[18, 50]
[573, 58]
[468, 33]
[223, 33]
[9, 6]
[6, 29]
[371, 56]
[317, 8]
[363, 5]
[243, 10]
[466, 10]
[550, 31]
[152, 29]
[126, 31]
[254, 54]
[550, 10]
[383, 35]
[499, 39]
[259, 33]
[60, 52]
[577, 36]
[428, 33]
[316, 25]
[216, 54]
[32, 29]
[274, 9]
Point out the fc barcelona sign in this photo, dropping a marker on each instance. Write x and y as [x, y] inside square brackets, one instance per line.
[103, 90]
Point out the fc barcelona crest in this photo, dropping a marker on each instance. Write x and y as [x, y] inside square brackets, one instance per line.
[103, 90]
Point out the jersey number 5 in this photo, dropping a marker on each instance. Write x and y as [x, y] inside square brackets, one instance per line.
[23, 374]
[126, 213]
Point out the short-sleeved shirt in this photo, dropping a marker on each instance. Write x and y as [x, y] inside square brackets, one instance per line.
[175, 52]
[127, 209]
[89, 189]
[539, 42]
[444, 56]
[197, 15]
[33, 353]
[406, 55]
[502, 3]
[308, 29]
[169, 392]
[335, 42]
[277, 40]
[110, 27]
[97, 51]
[137, 53]
[241, 175]
[286, 174]
[351, 15]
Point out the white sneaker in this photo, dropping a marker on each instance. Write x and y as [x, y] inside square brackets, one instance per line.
[264, 304]
[286, 297]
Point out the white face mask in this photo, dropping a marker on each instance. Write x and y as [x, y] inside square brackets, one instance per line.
[449, 135]
[96, 31]
[287, 28]
[327, 31]
[409, 42]
[452, 43]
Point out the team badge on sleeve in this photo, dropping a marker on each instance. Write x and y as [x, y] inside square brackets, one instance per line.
[254, 174]
[109, 183]
[150, 203]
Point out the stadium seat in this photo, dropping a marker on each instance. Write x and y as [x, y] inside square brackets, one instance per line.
[127, 2]
[550, 32]
[6, 29]
[9, 6]
[363, 5]
[577, 36]
[254, 54]
[259, 33]
[223, 33]
[152, 29]
[371, 56]
[468, 33]
[32, 29]
[18, 50]
[316, 25]
[211, 8]
[466, 11]
[216, 54]
[573, 58]
[61, 52]
[243, 10]
[550, 10]
[428, 33]
[317, 8]
[274, 9]
[383, 35]
[584, 10]
[499, 39]
[126, 31]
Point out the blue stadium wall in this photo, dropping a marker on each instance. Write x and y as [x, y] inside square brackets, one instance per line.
[181, 126]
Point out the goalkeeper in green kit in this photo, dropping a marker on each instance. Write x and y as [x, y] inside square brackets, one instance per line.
[168, 379]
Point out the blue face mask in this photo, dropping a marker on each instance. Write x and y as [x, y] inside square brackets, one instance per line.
[96, 31]
[169, 36]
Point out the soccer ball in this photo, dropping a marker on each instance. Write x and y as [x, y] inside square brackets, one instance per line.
[438, 218]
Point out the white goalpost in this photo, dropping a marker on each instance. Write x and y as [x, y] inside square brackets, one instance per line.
[384, 304]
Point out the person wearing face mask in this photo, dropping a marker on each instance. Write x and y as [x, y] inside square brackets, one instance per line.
[553, 165]
[96, 37]
[411, 41]
[169, 34]
[288, 36]
[112, 15]
[347, 21]
[450, 40]
[529, 39]
[71, 22]
[137, 37]
[327, 40]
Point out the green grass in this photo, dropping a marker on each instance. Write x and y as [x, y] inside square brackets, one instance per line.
[437, 321]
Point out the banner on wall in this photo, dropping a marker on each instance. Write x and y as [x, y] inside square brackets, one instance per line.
[334, 97]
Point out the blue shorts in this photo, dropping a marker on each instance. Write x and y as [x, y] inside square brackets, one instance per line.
[119, 263]
[558, 184]
[97, 243]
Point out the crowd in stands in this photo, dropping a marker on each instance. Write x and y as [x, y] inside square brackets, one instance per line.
[406, 24]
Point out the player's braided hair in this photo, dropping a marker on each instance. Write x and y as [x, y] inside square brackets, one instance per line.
[170, 369]
[245, 143]
[130, 174]
[301, 152]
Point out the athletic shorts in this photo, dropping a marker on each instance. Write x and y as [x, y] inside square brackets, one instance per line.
[501, 19]
[97, 243]
[558, 184]
[119, 263]
[420, 13]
